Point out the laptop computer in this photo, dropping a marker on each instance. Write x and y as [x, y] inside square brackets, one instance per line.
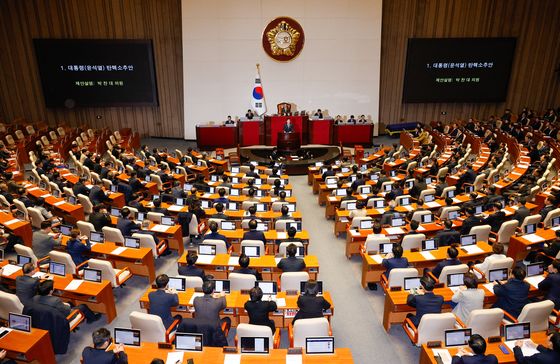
[319, 287]
[262, 226]
[379, 204]
[179, 201]
[254, 345]
[114, 188]
[234, 192]
[351, 205]
[115, 212]
[457, 337]
[131, 242]
[455, 279]
[429, 197]
[450, 193]
[188, 342]
[429, 244]
[251, 251]
[221, 285]
[232, 206]
[291, 207]
[340, 192]
[453, 215]
[428, 180]
[366, 224]
[234, 170]
[467, 240]
[177, 283]
[530, 228]
[96, 237]
[498, 274]
[22, 259]
[129, 337]
[65, 229]
[478, 209]
[92, 275]
[519, 331]
[206, 249]
[58, 269]
[227, 225]
[205, 204]
[366, 190]
[269, 289]
[469, 189]
[167, 221]
[261, 207]
[411, 283]
[427, 218]
[555, 221]
[535, 269]
[296, 225]
[387, 187]
[319, 345]
[398, 222]
[72, 200]
[19, 322]
[386, 248]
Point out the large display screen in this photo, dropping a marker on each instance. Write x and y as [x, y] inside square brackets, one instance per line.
[96, 72]
[458, 69]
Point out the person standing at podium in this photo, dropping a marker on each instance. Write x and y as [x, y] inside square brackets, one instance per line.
[288, 127]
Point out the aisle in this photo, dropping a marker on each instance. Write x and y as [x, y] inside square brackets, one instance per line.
[358, 312]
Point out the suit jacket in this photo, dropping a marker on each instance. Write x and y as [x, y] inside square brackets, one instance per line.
[448, 237]
[161, 303]
[99, 220]
[521, 213]
[475, 359]
[208, 308]
[545, 356]
[80, 188]
[311, 307]
[469, 176]
[126, 190]
[53, 302]
[100, 356]
[76, 250]
[551, 285]
[546, 210]
[42, 244]
[46, 317]
[288, 128]
[291, 264]
[135, 184]
[254, 235]
[394, 263]
[417, 188]
[439, 188]
[444, 263]
[495, 220]
[387, 216]
[26, 288]
[258, 312]
[426, 303]
[216, 236]
[191, 271]
[126, 226]
[469, 222]
[512, 296]
[97, 196]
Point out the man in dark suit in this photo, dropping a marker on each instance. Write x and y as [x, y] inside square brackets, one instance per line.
[288, 127]
[252, 172]
[440, 186]
[396, 261]
[309, 303]
[451, 259]
[26, 284]
[191, 270]
[328, 173]
[80, 187]
[349, 195]
[497, 218]
[157, 207]
[550, 285]
[468, 177]
[550, 355]
[123, 188]
[253, 234]
[389, 214]
[492, 197]
[125, 223]
[134, 182]
[513, 295]
[222, 196]
[522, 211]
[98, 354]
[97, 195]
[44, 297]
[424, 303]
[548, 206]
[100, 217]
[258, 310]
[214, 234]
[478, 347]
[219, 212]
[43, 242]
[291, 263]
[448, 236]
[162, 300]
[244, 267]
[419, 186]
[470, 221]
[208, 308]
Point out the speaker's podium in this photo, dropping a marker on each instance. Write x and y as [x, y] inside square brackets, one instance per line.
[288, 142]
[274, 129]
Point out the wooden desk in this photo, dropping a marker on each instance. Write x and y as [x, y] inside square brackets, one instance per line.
[117, 198]
[59, 207]
[234, 237]
[145, 353]
[427, 357]
[97, 296]
[209, 137]
[520, 245]
[20, 228]
[223, 264]
[174, 236]
[35, 345]
[372, 270]
[235, 307]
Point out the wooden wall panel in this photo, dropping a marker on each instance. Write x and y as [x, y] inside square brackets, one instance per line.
[20, 86]
[535, 79]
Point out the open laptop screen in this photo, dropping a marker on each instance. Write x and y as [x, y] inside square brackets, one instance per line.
[19, 322]
[177, 283]
[188, 342]
[457, 337]
[517, 331]
[319, 345]
[254, 345]
[127, 336]
[92, 275]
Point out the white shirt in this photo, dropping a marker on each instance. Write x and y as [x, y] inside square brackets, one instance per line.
[483, 267]
[468, 300]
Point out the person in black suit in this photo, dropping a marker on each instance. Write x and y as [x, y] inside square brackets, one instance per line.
[97, 195]
[395, 261]
[123, 188]
[522, 211]
[451, 259]
[428, 302]
[98, 354]
[310, 305]
[253, 234]
[470, 221]
[550, 355]
[551, 284]
[448, 236]
[44, 297]
[125, 223]
[548, 206]
[244, 264]
[100, 217]
[80, 187]
[419, 186]
[328, 173]
[468, 177]
[134, 182]
[26, 284]
[478, 347]
[219, 212]
[513, 295]
[349, 196]
[252, 172]
[291, 263]
[288, 127]
[497, 218]
[441, 185]
[157, 207]
[162, 300]
[214, 234]
[258, 310]
[191, 270]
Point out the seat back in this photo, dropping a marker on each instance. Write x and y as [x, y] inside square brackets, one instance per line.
[257, 243]
[482, 232]
[356, 221]
[86, 203]
[63, 258]
[282, 247]
[399, 199]
[150, 326]
[452, 269]
[36, 217]
[412, 241]
[447, 189]
[147, 241]
[85, 227]
[479, 181]
[107, 271]
[280, 225]
[537, 314]
[240, 281]
[499, 264]
[485, 322]
[21, 207]
[446, 210]
[290, 281]
[551, 215]
[192, 281]
[397, 276]
[246, 204]
[277, 205]
[248, 330]
[531, 219]
[25, 250]
[442, 172]
[221, 247]
[507, 230]
[113, 235]
[9, 303]
[155, 216]
[433, 325]
[372, 242]
[312, 327]
[371, 201]
[428, 191]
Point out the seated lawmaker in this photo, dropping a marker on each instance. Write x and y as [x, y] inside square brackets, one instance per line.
[291, 263]
[191, 270]
[549, 354]
[288, 127]
[253, 233]
[99, 353]
[394, 261]
[244, 262]
[310, 305]
[214, 234]
[551, 284]
[162, 300]
[452, 254]
[428, 302]
[448, 236]
[258, 310]
[513, 295]
[478, 348]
